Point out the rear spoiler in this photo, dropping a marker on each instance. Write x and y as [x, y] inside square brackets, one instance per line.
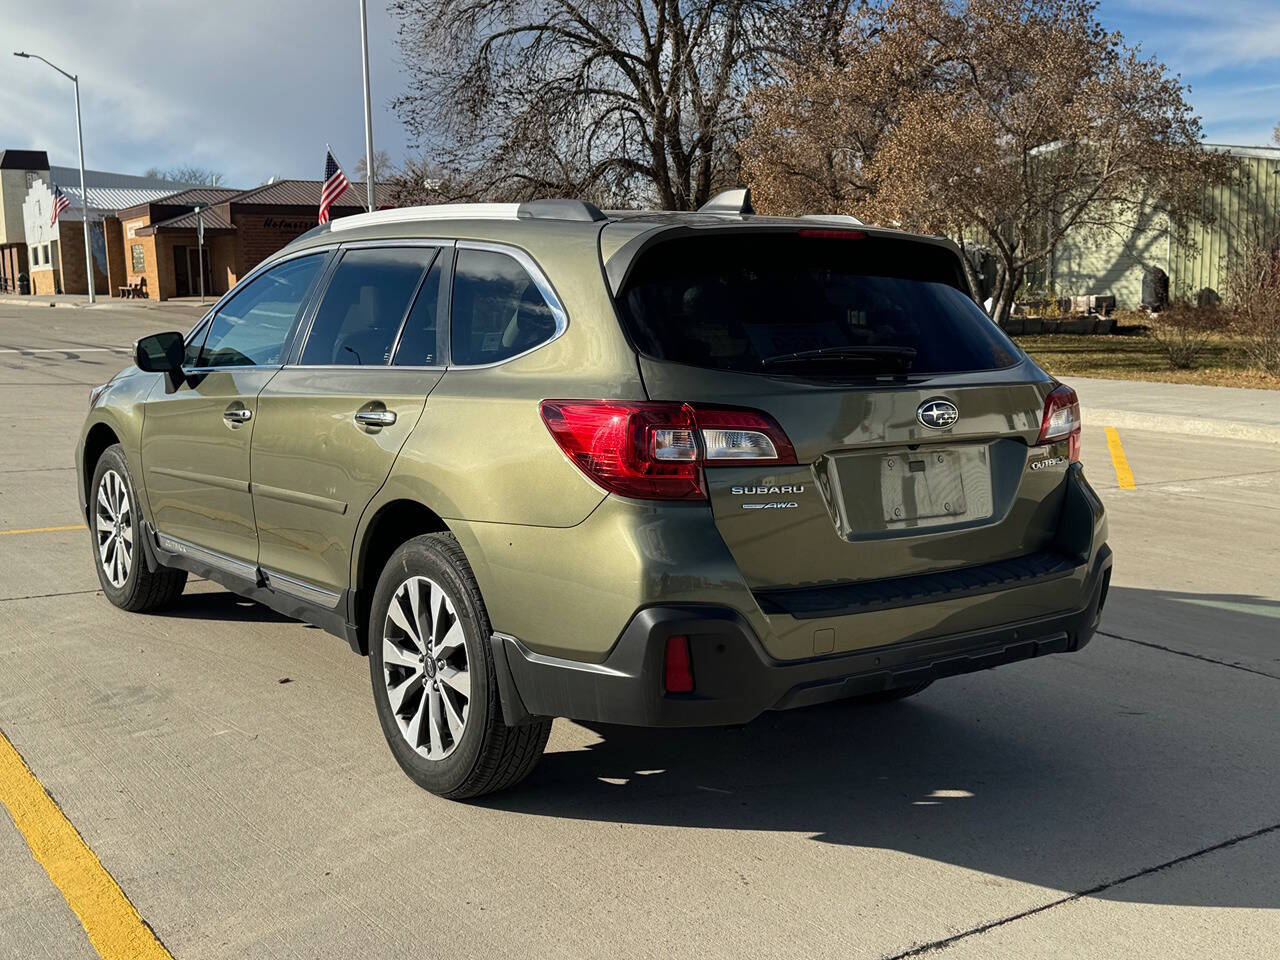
[619, 264]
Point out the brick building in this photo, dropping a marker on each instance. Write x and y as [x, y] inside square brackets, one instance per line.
[157, 242]
[50, 257]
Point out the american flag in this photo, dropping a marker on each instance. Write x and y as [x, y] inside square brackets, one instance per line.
[335, 185]
[60, 203]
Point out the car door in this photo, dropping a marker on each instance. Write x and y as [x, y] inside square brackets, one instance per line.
[330, 424]
[196, 436]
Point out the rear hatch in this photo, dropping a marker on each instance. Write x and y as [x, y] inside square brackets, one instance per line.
[913, 418]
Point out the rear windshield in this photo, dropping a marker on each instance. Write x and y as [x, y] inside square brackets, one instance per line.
[823, 305]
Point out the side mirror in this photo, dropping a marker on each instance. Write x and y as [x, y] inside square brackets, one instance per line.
[160, 353]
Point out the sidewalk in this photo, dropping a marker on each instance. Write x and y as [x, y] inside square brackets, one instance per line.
[1229, 412]
[179, 306]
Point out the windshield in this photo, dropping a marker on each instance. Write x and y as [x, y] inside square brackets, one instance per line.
[805, 305]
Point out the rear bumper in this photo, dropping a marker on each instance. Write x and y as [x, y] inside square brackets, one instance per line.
[735, 678]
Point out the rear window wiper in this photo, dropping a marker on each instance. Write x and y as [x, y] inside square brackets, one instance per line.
[900, 358]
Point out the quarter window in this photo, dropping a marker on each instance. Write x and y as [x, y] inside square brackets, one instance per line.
[364, 306]
[252, 328]
[498, 311]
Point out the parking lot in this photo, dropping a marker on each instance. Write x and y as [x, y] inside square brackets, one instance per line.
[226, 768]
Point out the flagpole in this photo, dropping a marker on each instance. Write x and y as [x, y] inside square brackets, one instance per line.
[368, 111]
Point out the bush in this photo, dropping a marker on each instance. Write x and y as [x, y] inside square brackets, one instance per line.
[1253, 301]
[1185, 331]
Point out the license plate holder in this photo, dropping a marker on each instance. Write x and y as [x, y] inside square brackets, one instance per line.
[921, 485]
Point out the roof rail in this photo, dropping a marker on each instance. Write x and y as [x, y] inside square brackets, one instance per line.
[436, 211]
[578, 210]
[731, 202]
[834, 218]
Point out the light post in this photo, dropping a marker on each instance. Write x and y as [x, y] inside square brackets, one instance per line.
[200, 249]
[84, 193]
[368, 114]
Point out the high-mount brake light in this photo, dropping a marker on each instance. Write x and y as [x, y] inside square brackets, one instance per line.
[819, 233]
[656, 451]
[1062, 421]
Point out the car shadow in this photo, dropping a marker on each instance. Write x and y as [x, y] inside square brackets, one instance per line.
[1057, 772]
[221, 605]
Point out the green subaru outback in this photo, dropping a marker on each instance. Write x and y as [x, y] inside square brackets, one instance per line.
[537, 460]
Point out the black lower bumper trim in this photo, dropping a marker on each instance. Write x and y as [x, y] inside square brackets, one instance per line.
[845, 598]
[735, 678]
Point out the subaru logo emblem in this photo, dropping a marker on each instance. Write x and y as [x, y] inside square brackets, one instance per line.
[937, 413]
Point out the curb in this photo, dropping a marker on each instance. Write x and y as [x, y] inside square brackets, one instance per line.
[39, 302]
[1187, 426]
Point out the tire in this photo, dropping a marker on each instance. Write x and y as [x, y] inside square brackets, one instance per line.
[417, 676]
[115, 533]
[890, 696]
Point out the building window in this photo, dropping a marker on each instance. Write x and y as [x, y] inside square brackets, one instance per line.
[139, 258]
[35, 256]
[46, 255]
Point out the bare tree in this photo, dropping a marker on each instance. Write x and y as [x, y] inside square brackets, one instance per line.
[1006, 122]
[188, 173]
[383, 168]
[620, 101]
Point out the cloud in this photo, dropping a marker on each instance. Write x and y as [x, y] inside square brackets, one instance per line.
[253, 89]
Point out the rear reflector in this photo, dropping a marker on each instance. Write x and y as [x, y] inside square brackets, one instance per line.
[656, 451]
[1061, 421]
[678, 673]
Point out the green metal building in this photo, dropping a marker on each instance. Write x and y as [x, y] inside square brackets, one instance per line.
[1113, 261]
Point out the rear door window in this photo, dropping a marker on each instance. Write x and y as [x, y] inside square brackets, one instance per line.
[498, 310]
[819, 303]
[364, 306]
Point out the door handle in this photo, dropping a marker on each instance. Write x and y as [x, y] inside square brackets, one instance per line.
[375, 418]
[237, 415]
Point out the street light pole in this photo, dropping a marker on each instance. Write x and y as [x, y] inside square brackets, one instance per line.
[200, 248]
[368, 110]
[84, 193]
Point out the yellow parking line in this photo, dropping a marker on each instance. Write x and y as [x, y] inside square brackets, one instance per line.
[1124, 476]
[14, 533]
[114, 927]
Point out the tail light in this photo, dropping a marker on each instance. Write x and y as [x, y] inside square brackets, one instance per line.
[656, 451]
[1061, 421]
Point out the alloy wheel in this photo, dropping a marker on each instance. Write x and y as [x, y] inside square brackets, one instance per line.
[424, 662]
[113, 527]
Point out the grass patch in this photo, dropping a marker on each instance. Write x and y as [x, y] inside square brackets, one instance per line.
[1131, 354]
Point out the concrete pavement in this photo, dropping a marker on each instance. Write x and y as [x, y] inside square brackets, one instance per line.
[1119, 802]
[1185, 409]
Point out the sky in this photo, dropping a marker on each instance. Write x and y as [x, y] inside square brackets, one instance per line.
[256, 88]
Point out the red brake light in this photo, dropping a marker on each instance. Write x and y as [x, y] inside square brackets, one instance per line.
[678, 666]
[656, 451]
[1061, 421]
[827, 234]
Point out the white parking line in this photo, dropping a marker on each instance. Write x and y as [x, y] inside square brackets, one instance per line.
[26, 350]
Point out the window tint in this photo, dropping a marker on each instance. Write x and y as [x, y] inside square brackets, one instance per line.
[498, 311]
[850, 307]
[364, 305]
[253, 326]
[419, 344]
